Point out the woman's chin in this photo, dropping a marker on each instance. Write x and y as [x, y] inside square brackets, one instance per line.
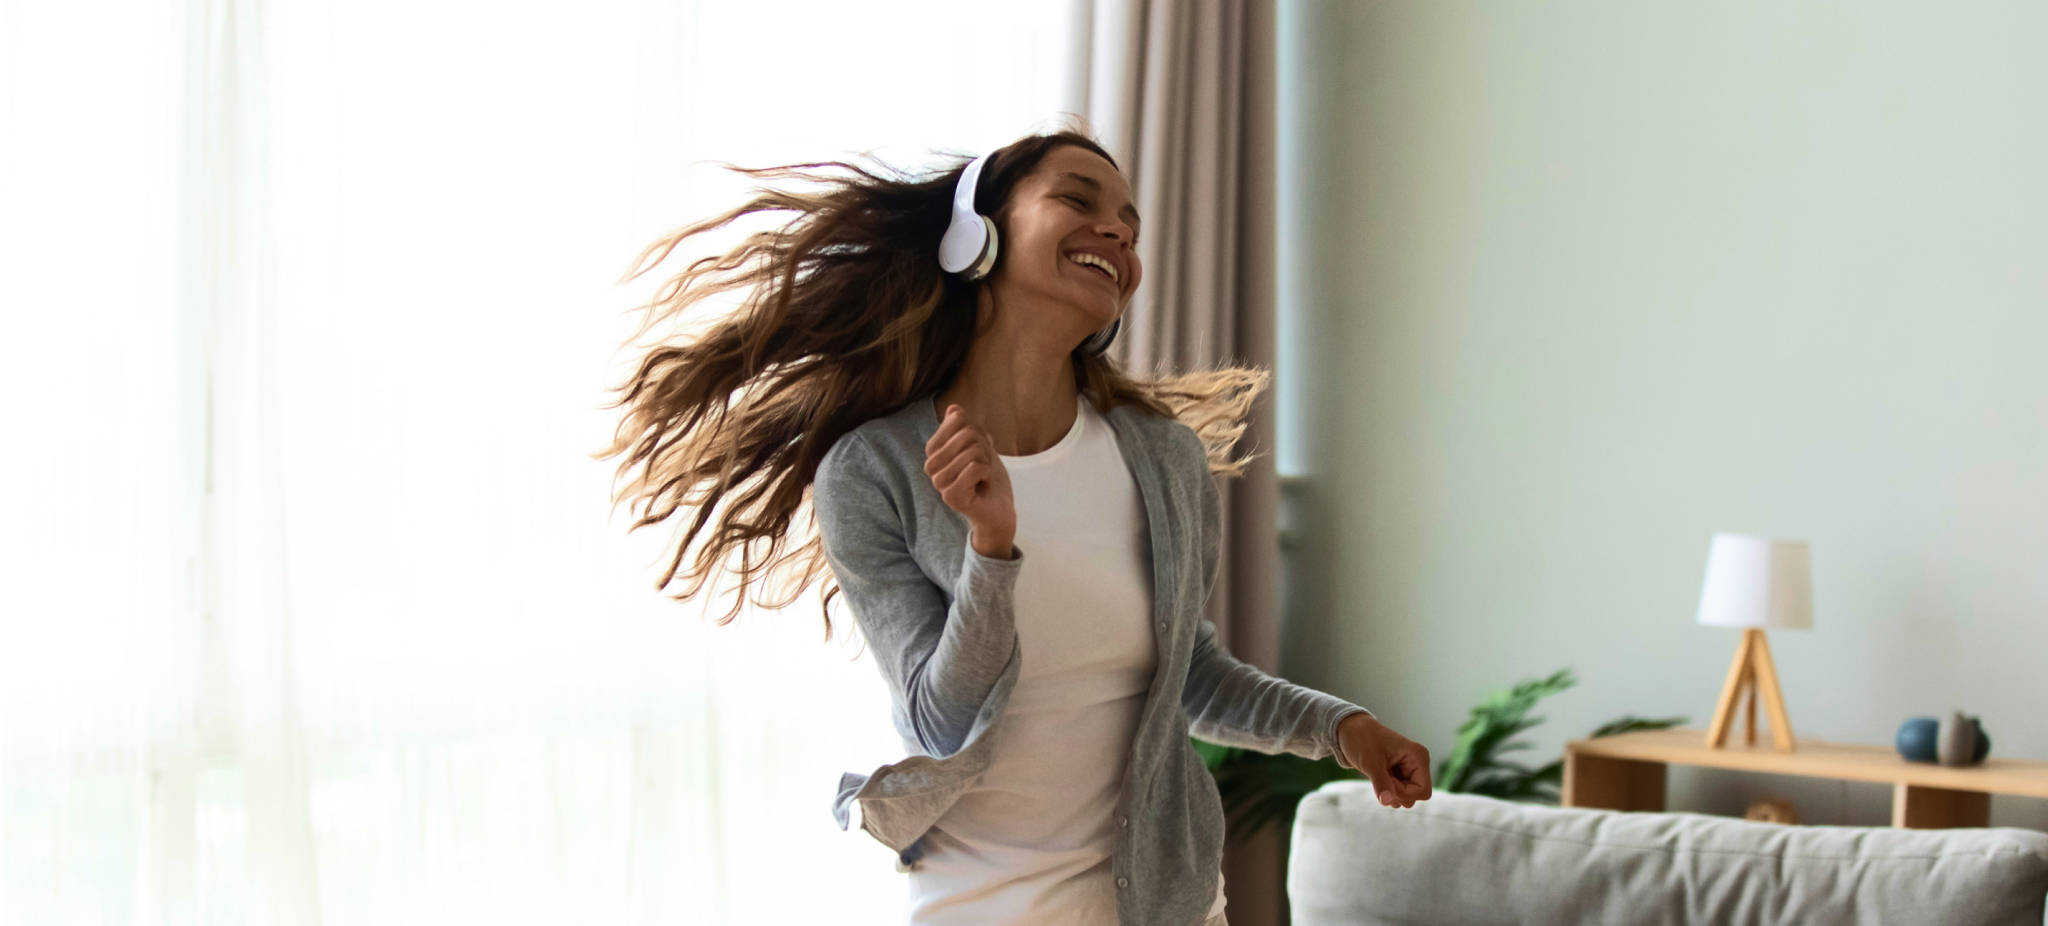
[1101, 315]
[1094, 314]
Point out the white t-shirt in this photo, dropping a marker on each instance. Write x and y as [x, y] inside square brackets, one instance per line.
[1030, 843]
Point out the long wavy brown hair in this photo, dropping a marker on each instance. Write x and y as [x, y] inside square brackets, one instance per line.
[846, 317]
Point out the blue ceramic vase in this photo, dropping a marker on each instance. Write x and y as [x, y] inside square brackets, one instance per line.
[1958, 741]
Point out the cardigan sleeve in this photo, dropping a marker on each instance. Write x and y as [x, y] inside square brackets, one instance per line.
[939, 653]
[1233, 703]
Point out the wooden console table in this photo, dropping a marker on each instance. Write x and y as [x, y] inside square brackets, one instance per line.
[1626, 772]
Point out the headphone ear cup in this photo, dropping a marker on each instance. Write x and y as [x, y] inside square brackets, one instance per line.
[991, 246]
[1098, 343]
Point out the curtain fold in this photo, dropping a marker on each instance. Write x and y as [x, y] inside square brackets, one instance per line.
[1182, 92]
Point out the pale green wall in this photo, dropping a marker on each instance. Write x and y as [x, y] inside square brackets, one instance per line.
[1576, 284]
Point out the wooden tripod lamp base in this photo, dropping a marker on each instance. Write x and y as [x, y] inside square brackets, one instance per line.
[1752, 676]
[1753, 583]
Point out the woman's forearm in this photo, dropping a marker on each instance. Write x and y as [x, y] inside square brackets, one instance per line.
[949, 681]
[1233, 703]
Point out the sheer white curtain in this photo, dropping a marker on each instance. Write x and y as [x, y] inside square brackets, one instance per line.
[314, 610]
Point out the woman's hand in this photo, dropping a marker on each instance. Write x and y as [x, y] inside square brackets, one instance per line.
[964, 467]
[1397, 765]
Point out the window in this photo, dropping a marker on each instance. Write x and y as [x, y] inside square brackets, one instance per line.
[316, 609]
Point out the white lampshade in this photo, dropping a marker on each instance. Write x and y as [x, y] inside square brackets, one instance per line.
[1757, 582]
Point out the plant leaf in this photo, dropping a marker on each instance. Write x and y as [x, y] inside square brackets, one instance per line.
[1491, 729]
[1632, 724]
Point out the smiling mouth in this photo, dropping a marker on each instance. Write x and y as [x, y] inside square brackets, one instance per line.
[1089, 262]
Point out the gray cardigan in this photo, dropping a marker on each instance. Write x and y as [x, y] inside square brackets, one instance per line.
[937, 617]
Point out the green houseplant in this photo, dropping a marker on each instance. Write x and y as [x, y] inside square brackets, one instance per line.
[1259, 790]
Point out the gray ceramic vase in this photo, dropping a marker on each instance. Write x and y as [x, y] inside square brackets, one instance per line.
[1961, 741]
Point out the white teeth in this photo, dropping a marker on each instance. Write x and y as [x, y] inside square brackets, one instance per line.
[1089, 260]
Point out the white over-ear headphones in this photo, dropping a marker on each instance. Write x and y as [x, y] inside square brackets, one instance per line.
[971, 243]
[970, 246]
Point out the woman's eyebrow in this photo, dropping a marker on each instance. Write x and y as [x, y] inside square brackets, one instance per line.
[1128, 211]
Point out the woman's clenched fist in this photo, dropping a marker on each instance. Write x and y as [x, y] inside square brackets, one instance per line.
[1397, 765]
[964, 467]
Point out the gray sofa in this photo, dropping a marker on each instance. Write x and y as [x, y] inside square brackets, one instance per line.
[1459, 860]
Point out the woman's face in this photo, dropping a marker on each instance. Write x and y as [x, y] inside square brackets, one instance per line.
[1066, 220]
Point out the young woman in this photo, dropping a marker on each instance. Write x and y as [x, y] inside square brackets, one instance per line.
[1026, 535]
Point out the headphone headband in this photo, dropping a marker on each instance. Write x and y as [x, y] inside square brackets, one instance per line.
[963, 192]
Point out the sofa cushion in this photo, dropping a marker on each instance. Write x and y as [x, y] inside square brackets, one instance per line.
[1460, 860]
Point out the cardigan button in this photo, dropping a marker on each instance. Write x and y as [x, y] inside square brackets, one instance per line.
[1123, 821]
[1123, 882]
[1162, 626]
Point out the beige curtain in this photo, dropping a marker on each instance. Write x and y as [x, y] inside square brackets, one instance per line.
[1182, 93]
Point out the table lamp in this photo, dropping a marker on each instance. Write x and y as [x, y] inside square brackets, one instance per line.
[1754, 583]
